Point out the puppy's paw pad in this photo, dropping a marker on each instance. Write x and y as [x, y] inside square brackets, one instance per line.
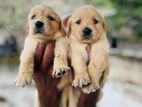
[60, 72]
[88, 89]
[23, 79]
[81, 81]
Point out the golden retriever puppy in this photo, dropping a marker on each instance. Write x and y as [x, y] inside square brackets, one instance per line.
[89, 48]
[44, 24]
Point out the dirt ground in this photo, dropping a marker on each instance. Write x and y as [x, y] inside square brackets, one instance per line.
[123, 87]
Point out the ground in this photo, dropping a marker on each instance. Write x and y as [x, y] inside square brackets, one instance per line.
[122, 89]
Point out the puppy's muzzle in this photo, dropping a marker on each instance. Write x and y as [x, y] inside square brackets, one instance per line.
[39, 27]
[87, 33]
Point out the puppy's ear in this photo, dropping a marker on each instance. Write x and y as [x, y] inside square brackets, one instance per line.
[103, 22]
[69, 27]
[104, 25]
[61, 32]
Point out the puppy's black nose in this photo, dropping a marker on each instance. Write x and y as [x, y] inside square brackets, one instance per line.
[87, 31]
[39, 24]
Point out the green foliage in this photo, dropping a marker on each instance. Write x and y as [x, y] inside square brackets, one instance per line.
[103, 3]
[127, 12]
[138, 30]
[127, 3]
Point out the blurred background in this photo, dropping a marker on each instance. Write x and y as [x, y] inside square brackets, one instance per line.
[124, 22]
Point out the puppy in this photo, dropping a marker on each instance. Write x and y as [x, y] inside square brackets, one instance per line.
[89, 48]
[44, 24]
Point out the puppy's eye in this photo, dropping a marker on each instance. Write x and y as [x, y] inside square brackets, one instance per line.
[78, 22]
[50, 18]
[95, 21]
[33, 16]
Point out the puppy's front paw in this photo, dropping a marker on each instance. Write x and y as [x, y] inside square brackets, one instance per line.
[23, 79]
[88, 89]
[60, 71]
[81, 80]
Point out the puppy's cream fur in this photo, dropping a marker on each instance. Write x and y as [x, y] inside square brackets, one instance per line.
[70, 96]
[88, 66]
[53, 30]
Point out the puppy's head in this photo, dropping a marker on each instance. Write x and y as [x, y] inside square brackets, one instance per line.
[86, 25]
[43, 22]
